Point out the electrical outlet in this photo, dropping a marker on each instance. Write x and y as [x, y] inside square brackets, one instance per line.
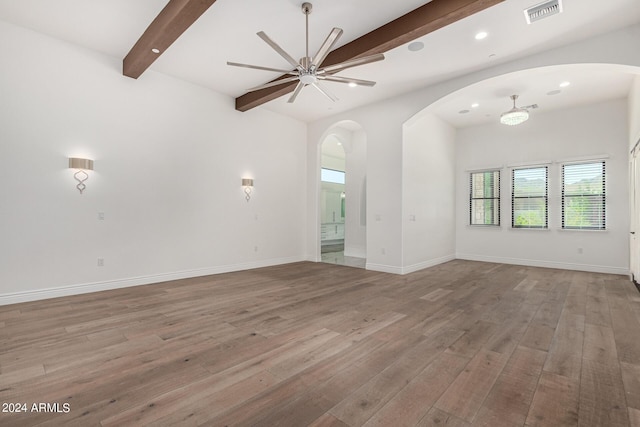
[255, 249]
[101, 216]
[383, 251]
[100, 262]
[579, 250]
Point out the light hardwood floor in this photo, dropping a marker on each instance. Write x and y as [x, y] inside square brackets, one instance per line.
[463, 343]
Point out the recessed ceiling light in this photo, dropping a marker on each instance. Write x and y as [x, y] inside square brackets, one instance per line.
[554, 92]
[415, 46]
[463, 111]
[352, 84]
[155, 50]
[481, 35]
[565, 84]
[475, 105]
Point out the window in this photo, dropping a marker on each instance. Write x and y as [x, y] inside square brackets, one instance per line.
[484, 199]
[331, 175]
[583, 196]
[529, 197]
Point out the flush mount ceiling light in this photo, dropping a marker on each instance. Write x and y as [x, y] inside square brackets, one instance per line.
[481, 35]
[515, 116]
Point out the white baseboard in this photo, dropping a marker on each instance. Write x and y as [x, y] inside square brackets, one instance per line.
[426, 264]
[383, 268]
[410, 268]
[546, 264]
[62, 291]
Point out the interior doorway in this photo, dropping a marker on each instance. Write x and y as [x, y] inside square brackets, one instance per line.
[343, 197]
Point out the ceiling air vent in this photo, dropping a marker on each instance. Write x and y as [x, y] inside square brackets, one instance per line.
[543, 10]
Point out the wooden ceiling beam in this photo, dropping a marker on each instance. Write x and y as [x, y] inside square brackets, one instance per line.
[417, 23]
[171, 22]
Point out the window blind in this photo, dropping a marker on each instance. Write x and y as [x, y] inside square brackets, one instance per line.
[529, 197]
[583, 196]
[484, 198]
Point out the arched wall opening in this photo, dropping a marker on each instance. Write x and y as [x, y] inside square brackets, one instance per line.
[587, 120]
[342, 229]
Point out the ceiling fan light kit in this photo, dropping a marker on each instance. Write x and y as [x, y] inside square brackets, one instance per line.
[515, 116]
[308, 71]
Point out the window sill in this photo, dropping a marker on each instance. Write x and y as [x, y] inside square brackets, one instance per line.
[589, 230]
[529, 229]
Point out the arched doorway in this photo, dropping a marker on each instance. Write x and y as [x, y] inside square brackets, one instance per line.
[343, 195]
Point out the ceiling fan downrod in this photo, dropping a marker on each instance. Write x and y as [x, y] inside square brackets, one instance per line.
[306, 9]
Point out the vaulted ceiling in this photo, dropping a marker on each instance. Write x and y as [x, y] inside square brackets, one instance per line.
[226, 31]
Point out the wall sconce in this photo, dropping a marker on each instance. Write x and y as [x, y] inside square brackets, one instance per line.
[81, 175]
[247, 184]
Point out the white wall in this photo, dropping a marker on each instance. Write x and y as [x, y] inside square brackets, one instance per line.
[634, 113]
[428, 192]
[169, 157]
[572, 134]
[355, 240]
[383, 121]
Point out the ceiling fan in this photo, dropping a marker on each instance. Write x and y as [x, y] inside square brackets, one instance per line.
[308, 71]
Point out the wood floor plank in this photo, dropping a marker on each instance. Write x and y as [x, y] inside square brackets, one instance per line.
[436, 294]
[473, 339]
[631, 381]
[328, 420]
[526, 285]
[565, 354]
[511, 332]
[538, 336]
[602, 397]
[634, 417]
[626, 325]
[466, 394]
[599, 345]
[510, 398]
[437, 418]
[412, 403]
[555, 402]
[373, 395]
[597, 308]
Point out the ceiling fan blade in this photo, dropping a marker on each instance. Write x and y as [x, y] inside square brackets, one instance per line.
[324, 91]
[280, 50]
[274, 83]
[348, 64]
[295, 93]
[258, 67]
[339, 79]
[324, 50]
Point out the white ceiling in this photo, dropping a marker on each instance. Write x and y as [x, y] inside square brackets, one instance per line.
[227, 32]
